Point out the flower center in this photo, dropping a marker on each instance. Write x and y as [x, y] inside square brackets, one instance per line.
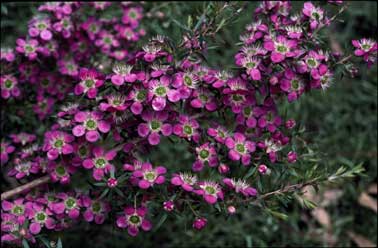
[188, 129]
[83, 151]
[41, 26]
[204, 98]
[132, 15]
[316, 15]
[70, 203]
[250, 65]
[134, 219]
[281, 48]
[237, 98]
[312, 63]
[210, 190]
[141, 95]
[240, 148]
[41, 217]
[247, 111]
[365, 47]
[91, 124]
[89, 83]
[100, 163]
[45, 82]
[160, 91]
[295, 84]
[58, 143]
[93, 28]
[155, 125]
[116, 102]
[8, 83]
[204, 154]
[60, 170]
[188, 80]
[96, 207]
[108, 40]
[150, 176]
[18, 210]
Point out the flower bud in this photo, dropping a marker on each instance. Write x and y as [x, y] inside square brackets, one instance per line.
[231, 209]
[290, 124]
[291, 157]
[199, 223]
[168, 206]
[263, 169]
[223, 169]
[112, 182]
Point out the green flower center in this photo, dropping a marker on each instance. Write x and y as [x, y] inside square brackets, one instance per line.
[45, 82]
[247, 111]
[188, 80]
[116, 102]
[237, 98]
[210, 190]
[150, 176]
[204, 98]
[60, 170]
[70, 203]
[269, 117]
[8, 83]
[221, 134]
[295, 84]
[18, 210]
[188, 129]
[108, 40]
[70, 67]
[366, 47]
[91, 124]
[240, 148]
[65, 24]
[155, 125]
[40, 217]
[41, 26]
[250, 65]
[29, 48]
[93, 28]
[204, 154]
[96, 207]
[160, 91]
[132, 14]
[89, 83]
[281, 48]
[316, 15]
[135, 219]
[141, 95]
[311, 62]
[58, 143]
[100, 163]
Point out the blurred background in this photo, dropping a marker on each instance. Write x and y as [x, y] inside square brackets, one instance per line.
[341, 125]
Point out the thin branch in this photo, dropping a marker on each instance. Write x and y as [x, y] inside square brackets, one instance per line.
[28, 186]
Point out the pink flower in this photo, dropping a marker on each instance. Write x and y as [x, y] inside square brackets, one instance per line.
[64, 26]
[57, 142]
[123, 74]
[138, 95]
[134, 218]
[7, 54]
[132, 16]
[9, 86]
[199, 223]
[114, 103]
[219, 133]
[185, 180]
[315, 14]
[202, 98]
[148, 176]
[106, 41]
[240, 186]
[206, 155]
[23, 138]
[210, 191]
[96, 210]
[91, 122]
[154, 126]
[185, 83]
[29, 48]
[159, 90]
[187, 128]
[100, 162]
[41, 28]
[90, 81]
[41, 218]
[281, 48]
[60, 172]
[237, 95]
[92, 27]
[240, 148]
[367, 49]
[251, 65]
[68, 204]
[23, 169]
[6, 149]
[292, 84]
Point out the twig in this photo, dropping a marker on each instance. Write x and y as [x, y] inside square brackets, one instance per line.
[28, 186]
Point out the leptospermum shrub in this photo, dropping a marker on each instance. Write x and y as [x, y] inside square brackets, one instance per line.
[105, 102]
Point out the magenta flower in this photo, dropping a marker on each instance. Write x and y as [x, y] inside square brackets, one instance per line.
[281, 48]
[206, 155]
[248, 116]
[154, 126]
[148, 176]
[315, 14]
[251, 65]
[185, 180]
[240, 186]
[367, 49]
[132, 16]
[64, 26]
[123, 74]
[41, 28]
[41, 218]
[68, 66]
[237, 95]
[210, 191]
[240, 148]
[269, 120]
[92, 27]
[138, 95]
[5, 150]
[91, 122]
[23, 169]
[249, 51]
[23, 138]
[106, 41]
[90, 81]
[185, 83]
[96, 210]
[199, 223]
[7, 54]
[100, 162]
[218, 132]
[114, 103]
[17, 208]
[292, 157]
[159, 90]
[137, 165]
[68, 204]
[29, 48]
[59, 172]
[187, 128]
[134, 218]
[57, 142]
[151, 52]
[292, 84]
[202, 98]
[9, 86]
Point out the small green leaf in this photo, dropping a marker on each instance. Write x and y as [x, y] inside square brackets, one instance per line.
[161, 221]
[103, 194]
[25, 243]
[59, 244]
[248, 240]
